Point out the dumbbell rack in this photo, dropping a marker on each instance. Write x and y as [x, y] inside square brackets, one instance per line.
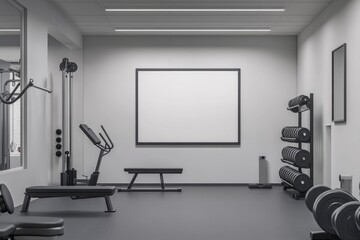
[287, 187]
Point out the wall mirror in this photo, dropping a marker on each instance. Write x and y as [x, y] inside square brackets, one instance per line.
[339, 84]
[12, 72]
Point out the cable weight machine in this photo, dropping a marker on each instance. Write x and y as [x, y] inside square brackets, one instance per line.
[69, 174]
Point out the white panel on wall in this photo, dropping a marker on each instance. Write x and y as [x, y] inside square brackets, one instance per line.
[191, 106]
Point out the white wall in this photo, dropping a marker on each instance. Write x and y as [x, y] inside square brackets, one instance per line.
[268, 81]
[42, 18]
[338, 24]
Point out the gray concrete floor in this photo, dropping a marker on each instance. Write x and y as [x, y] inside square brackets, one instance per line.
[198, 213]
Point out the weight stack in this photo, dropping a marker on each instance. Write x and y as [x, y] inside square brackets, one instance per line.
[298, 101]
[300, 181]
[296, 156]
[298, 134]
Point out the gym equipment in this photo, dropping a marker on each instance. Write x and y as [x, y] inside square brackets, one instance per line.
[296, 156]
[326, 204]
[344, 222]
[297, 102]
[313, 194]
[263, 179]
[295, 182]
[161, 171]
[67, 68]
[357, 218]
[6, 230]
[335, 211]
[9, 98]
[295, 134]
[71, 174]
[346, 183]
[23, 225]
[6, 202]
[58, 146]
[300, 181]
[75, 192]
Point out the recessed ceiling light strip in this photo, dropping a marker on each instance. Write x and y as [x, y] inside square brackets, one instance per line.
[196, 30]
[195, 10]
[9, 30]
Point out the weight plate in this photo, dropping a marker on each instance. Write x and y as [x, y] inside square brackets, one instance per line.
[313, 194]
[301, 182]
[326, 204]
[343, 221]
[357, 218]
[5, 194]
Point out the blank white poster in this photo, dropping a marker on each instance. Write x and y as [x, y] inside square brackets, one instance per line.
[188, 106]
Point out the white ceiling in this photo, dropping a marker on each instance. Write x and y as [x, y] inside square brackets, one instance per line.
[90, 17]
[9, 17]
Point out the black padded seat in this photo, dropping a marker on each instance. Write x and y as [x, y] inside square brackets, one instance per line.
[34, 226]
[32, 222]
[6, 230]
[72, 189]
[39, 232]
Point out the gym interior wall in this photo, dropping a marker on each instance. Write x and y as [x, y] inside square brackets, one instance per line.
[268, 80]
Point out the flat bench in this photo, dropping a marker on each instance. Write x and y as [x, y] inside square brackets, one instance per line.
[161, 171]
[75, 192]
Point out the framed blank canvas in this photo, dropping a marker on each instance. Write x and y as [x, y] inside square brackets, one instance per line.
[188, 106]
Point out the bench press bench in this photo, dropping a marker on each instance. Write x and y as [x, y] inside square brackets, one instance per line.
[75, 192]
[160, 171]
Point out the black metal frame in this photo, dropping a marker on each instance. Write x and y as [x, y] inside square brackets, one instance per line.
[310, 107]
[332, 76]
[186, 143]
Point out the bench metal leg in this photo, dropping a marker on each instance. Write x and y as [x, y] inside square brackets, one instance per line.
[162, 181]
[132, 181]
[109, 205]
[26, 203]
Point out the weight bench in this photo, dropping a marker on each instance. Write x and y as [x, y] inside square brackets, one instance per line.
[161, 171]
[34, 226]
[75, 192]
[13, 226]
[6, 230]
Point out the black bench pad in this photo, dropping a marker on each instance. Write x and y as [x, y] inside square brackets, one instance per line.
[75, 192]
[35, 226]
[161, 171]
[32, 222]
[6, 230]
[154, 170]
[71, 190]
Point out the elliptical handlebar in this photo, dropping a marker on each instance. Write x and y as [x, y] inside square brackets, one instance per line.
[108, 144]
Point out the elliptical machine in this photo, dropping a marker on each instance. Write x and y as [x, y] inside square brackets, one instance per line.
[104, 150]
